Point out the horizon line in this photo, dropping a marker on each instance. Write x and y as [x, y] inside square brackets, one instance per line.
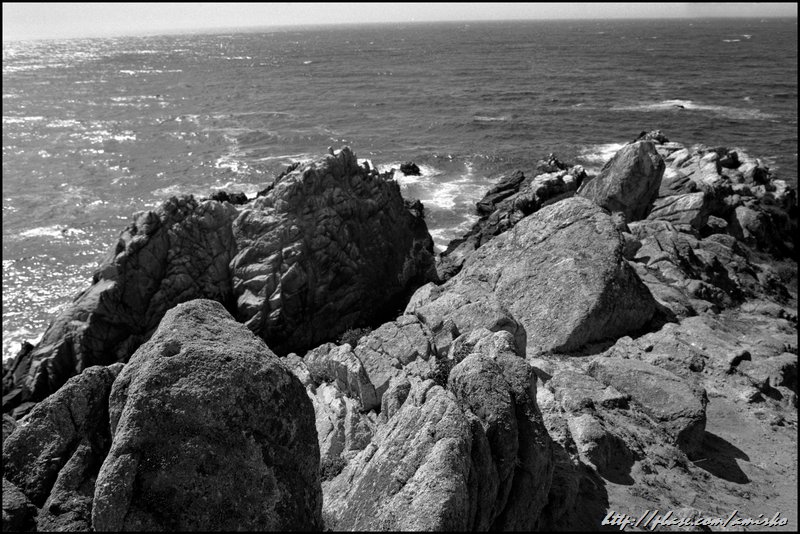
[210, 30]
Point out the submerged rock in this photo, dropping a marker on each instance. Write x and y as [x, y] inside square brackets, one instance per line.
[210, 432]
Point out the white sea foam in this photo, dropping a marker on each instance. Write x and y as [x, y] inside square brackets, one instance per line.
[728, 112]
[54, 231]
[597, 155]
[147, 71]
[21, 120]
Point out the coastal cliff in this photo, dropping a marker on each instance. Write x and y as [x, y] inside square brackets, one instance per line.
[593, 344]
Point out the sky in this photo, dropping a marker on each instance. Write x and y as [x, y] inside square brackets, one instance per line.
[33, 20]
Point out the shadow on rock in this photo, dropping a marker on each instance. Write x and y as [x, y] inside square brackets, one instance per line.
[620, 472]
[719, 458]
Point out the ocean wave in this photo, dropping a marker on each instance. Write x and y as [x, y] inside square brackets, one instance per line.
[486, 118]
[54, 231]
[21, 120]
[148, 71]
[727, 112]
[599, 154]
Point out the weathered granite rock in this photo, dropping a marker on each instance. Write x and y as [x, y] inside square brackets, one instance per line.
[69, 506]
[475, 460]
[527, 270]
[629, 182]
[677, 404]
[415, 475]
[19, 514]
[175, 253]
[329, 363]
[508, 202]
[330, 246]
[51, 435]
[210, 432]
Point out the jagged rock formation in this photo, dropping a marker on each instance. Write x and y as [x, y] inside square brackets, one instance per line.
[330, 246]
[326, 247]
[210, 432]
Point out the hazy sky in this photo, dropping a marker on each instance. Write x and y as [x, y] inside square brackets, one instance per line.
[60, 20]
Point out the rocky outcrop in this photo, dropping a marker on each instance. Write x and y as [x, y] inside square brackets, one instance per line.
[210, 432]
[629, 182]
[572, 244]
[508, 202]
[328, 246]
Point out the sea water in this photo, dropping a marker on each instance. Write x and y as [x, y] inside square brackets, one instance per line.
[97, 129]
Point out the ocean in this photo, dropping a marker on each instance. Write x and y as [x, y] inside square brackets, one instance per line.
[97, 129]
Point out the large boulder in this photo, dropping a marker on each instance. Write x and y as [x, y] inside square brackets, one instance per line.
[629, 182]
[210, 432]
[329, 247]
[559, 273]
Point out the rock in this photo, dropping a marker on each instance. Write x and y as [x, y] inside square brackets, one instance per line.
[415, 475]
[629, 182]
[330, 246]
[478, 459]
[689, 210]
[9, 425]
[19, 515]
[342, 430]
[527, 270]
[409, 168]
[69, 506]
[505, 187]
[210, 432]
[47, 439]
[677, 404]
[514, 198]
[329, 363]
[175, 253]
[780, 370]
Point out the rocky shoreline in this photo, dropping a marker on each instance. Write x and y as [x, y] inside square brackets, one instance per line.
[302, 361]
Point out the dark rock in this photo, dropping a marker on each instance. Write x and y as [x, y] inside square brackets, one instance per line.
[629, 182]
[210, 432]
[34, 454]
[19, 514]
[409, 168]
[328, 248]
[9, 424]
